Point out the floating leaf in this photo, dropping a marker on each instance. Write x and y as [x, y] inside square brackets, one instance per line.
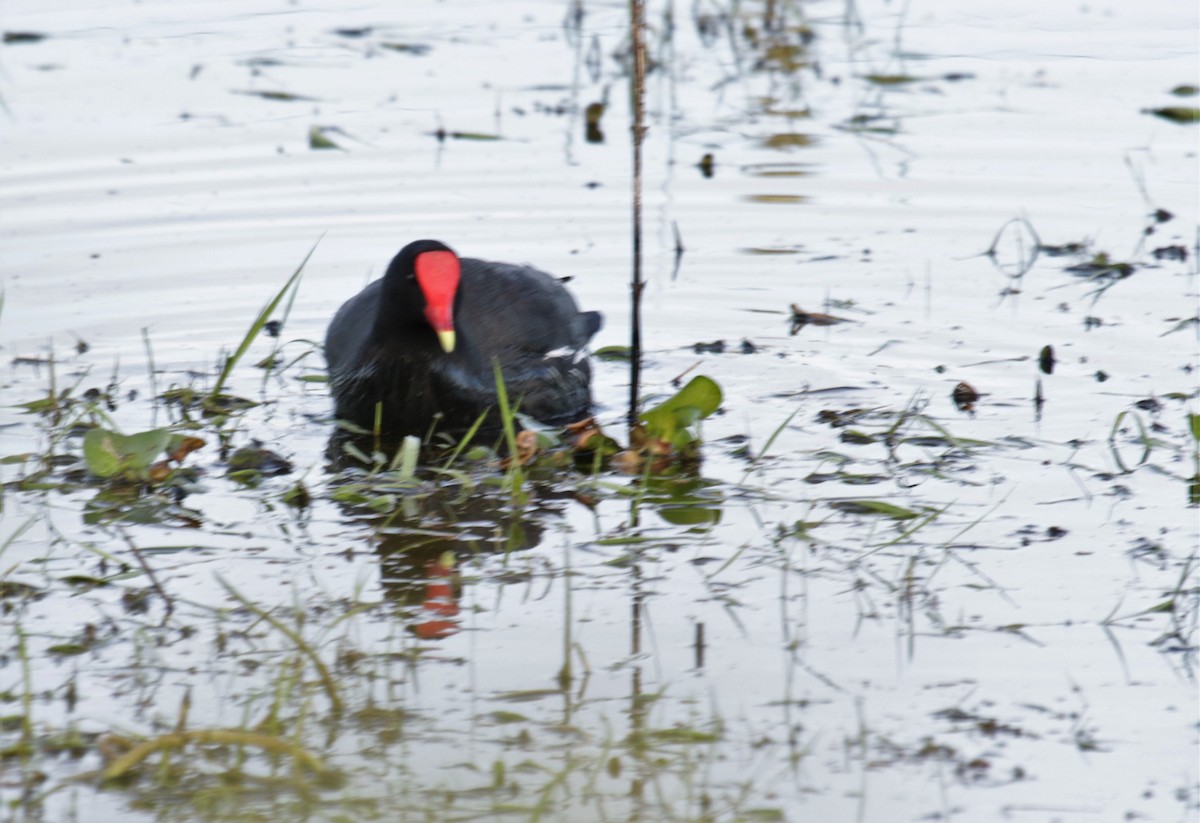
[24, 457]
[471, 135]
[788, 140]
[508, 717]
[593, 114]
[801, 318]
[258, 459]
[142, 448]
[786, 57]
[109, 453]
[181, 446]
[890, 79]
[281, 96]
[13, 590]
[769, 250]
[620, 353]
[14, 37]
[779, 170]
[1176, 114]
[785, 199]
[67, 649]
[672, 420]
[680, 736]
[587, 437]
[528, 695]
[874, 507]
[318, 140]
[1046, 360]
[85, 581]
[869, 124]
[298, 496]
[416, 49]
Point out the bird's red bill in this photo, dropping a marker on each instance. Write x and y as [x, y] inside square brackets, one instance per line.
[438, 273]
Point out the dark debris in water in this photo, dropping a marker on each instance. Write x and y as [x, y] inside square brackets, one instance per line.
[13, 38]
[964, 396]
[1176, 252]
[278, 96]
[415, 49]
[259, 459]
[1046, 360]
[747, 346]
[442, 135]
[593, 114]
[800, 318]
[1101, 267]
[1063, 249]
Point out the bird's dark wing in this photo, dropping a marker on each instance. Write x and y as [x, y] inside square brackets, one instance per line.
[519, 311]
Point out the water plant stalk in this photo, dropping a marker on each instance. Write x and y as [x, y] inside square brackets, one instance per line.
[259, 322]
[637, 28]
[327, 680]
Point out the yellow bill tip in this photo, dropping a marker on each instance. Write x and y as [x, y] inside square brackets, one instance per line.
[446, 338]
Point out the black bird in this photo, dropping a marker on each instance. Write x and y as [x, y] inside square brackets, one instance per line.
[421, 341]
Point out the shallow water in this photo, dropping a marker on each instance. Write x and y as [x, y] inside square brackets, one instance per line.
[1026, 654]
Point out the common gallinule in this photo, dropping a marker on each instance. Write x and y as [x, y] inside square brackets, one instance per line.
[421, 341]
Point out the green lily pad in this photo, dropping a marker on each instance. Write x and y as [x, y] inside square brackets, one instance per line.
[674, 419]
[110, 453]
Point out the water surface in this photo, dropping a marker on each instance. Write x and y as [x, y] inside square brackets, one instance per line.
[1024, 649]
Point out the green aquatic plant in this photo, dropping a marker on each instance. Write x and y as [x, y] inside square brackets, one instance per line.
[675, 421]
[1194, 480]
[1176, 114]
[144, 456]
[303, 647]
[318, 140]
[257, 326]
[214, 737]
[514, 477]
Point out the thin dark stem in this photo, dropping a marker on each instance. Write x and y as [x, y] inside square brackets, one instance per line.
[637, 27]
[137, 553]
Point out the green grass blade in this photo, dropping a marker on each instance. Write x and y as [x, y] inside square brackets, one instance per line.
[465, 440]
[260, 321]
[327, 679]
[516, 475]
